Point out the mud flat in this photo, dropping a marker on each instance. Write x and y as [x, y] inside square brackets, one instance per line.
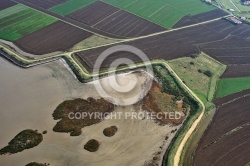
[28, 98]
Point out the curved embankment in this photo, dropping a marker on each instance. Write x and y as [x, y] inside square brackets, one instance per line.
[177, 156]
[84, 76]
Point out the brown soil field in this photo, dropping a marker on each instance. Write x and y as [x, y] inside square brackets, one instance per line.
[71, 21]
[58, 36]
[6, 3]
[234, 71]
[230, 50]
[189, 20]
[227, 139]
[114, 20]
[46, 4]
[220, 39]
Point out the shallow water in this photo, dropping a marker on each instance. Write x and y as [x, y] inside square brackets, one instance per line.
[28, 98]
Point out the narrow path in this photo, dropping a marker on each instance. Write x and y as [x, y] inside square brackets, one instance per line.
[178, 154]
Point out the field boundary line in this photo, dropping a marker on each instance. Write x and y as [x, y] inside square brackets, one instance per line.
[59, 19]
[235, 6]
[134, 14]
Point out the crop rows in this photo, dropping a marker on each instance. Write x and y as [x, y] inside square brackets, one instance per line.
[164, 13]
[22, 22]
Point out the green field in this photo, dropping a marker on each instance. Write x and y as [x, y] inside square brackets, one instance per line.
[18, 21]
[162, 12]
[204, 86]
[234, 4]
[240, 10]
[70, 6]
[232, 85]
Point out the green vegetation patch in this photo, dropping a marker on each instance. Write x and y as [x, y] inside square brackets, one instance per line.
[70, 6]
[26, 139]
[68, 114]
[162, 12]
[173, 87]
[20, 20]
[200, 74]
[230, 86]
[12, 10]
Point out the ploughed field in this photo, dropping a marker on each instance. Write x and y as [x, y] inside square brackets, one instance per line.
[235, 70]
[227, 139]
[114, 20]
[58, 36]
[210, 15]
[6, 3]
[214, 38]
[164, 13]
[46, 4]
[38, 33]
[120, 19]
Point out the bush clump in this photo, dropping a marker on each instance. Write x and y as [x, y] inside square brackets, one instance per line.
[26, 139]
[92, 145]
[110, 131]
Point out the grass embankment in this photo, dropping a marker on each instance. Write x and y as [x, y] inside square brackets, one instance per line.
[93, 41]
[164, 13]
[19, 20]
[228, 86]
[171, 85]
[200, 74]
[70, 6]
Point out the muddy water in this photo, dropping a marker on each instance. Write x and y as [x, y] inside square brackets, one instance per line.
[27, 100]
[195, 138]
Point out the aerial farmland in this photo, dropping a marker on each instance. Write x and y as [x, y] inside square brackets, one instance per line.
[124, 82]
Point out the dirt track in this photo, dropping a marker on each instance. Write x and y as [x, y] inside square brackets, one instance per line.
[220, 39]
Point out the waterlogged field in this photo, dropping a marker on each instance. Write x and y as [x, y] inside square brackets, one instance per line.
[70, 6]
[164, 13]
[229, 86]
[19, 20]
